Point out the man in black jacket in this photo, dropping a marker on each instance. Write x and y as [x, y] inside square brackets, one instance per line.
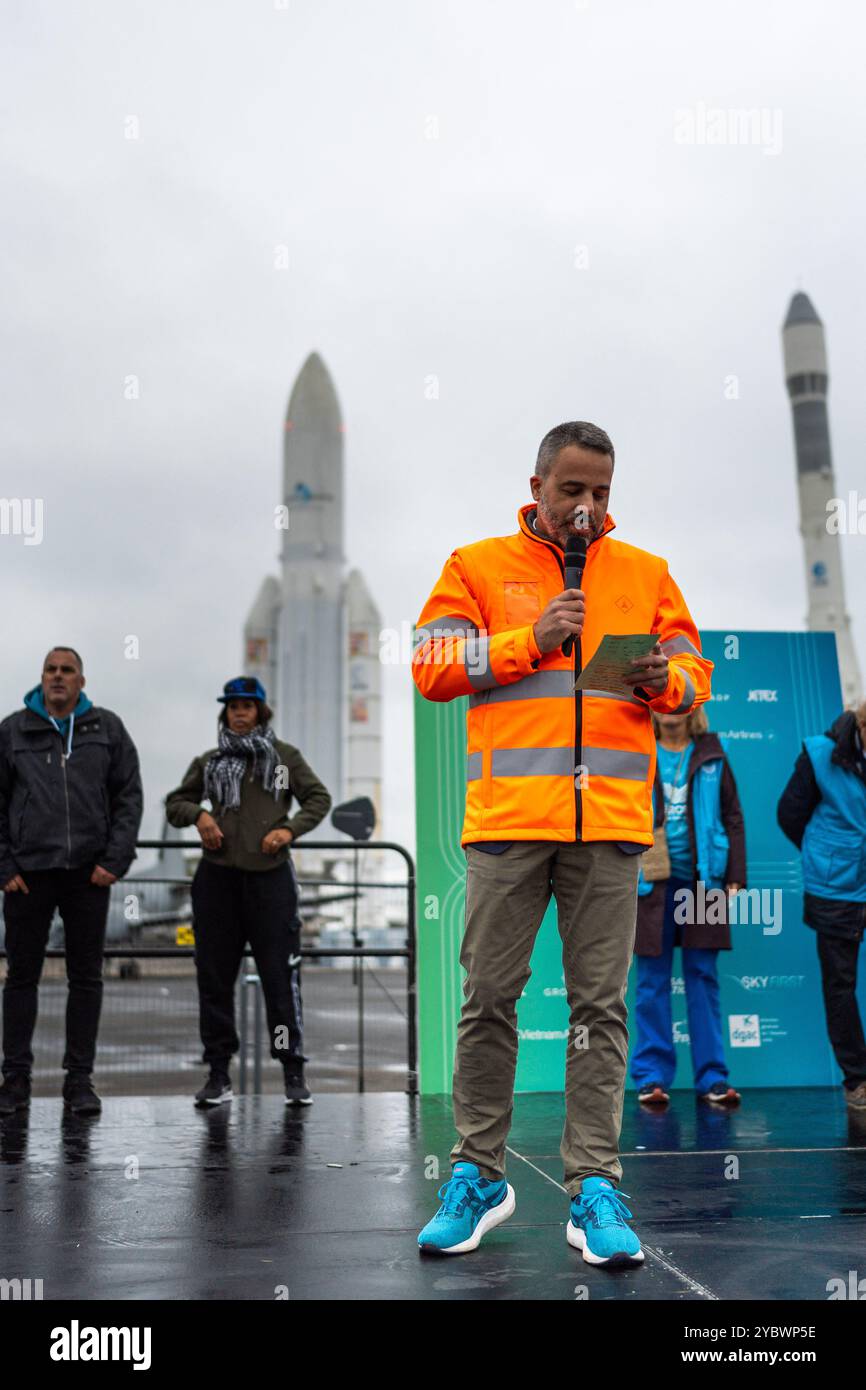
[70, 809]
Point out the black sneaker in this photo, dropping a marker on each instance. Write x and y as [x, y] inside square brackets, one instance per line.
[79, 1096]
[14, 1094]
[216, 1090]
[296, 1091]
[653, 1093]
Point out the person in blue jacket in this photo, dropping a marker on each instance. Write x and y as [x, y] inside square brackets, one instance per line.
[695, 797]
[823, 811]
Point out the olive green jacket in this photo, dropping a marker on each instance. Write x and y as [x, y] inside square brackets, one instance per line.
[260, 811]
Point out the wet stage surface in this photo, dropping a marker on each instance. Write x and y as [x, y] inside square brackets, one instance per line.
[253, 1200]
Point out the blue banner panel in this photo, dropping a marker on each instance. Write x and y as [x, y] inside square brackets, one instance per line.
[770, 689]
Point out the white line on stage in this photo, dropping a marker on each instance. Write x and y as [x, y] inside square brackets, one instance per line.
[700, 1289]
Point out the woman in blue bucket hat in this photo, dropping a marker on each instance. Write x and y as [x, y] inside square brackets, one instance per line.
[245, 891]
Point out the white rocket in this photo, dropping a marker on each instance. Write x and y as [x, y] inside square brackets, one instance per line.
[312, 635]
[806, 378]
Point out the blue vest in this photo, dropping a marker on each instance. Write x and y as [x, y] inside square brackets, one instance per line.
[712, 845]
[834, 842]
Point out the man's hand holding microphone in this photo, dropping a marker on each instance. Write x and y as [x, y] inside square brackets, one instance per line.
[562, 618]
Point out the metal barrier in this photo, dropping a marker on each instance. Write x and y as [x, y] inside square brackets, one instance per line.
[248, 979]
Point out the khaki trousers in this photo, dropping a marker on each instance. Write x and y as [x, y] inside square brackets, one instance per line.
[595, 887]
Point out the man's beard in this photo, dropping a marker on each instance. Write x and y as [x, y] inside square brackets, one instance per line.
[561, 530]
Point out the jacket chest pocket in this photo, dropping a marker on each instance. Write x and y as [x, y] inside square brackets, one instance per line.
[92, 753]
[37, 776]
[522, 601]
[87, 770]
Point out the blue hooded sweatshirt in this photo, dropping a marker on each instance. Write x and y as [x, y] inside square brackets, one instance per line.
[35, 701]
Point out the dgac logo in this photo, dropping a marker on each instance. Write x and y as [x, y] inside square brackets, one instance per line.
[767, 697]
[745, 1030]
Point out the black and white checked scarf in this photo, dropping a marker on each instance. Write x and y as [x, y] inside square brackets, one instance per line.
[224, 771]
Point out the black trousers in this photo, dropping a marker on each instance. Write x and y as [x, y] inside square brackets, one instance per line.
[230, 908]
[838, 957]
[28, 917]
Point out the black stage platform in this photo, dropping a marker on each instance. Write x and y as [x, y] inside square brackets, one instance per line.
[256, 1201]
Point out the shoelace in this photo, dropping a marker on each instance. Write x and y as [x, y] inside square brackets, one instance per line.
[455, 1193]
[606, 1207]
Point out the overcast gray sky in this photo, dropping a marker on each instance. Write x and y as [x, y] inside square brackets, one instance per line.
[495, 194]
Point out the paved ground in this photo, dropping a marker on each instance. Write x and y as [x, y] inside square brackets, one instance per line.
[256, 1201]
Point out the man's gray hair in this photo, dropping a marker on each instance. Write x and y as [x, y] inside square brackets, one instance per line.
[579, 432]
[62, 647]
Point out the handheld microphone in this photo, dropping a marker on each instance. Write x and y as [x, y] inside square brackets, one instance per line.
[575, 559]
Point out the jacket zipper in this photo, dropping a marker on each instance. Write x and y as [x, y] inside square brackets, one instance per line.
[578, 739]
[577, 667]
[66, 795]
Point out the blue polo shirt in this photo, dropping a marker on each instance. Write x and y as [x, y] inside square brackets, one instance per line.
[674, 773]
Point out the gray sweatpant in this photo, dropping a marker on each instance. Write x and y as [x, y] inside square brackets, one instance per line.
[595, 887]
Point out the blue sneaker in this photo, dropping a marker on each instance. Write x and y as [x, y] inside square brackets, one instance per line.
[597, 1226]
[471, 1206]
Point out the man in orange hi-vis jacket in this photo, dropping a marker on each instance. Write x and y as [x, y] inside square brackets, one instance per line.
[558, 800]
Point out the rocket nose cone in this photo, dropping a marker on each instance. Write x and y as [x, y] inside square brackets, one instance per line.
[801, 310]
[313, 401]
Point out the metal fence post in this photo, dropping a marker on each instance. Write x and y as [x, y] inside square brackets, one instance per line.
[257, 1034]
[360, 1025]
[250, 979]
[242, 1076]
[411, 983]
[359, 965]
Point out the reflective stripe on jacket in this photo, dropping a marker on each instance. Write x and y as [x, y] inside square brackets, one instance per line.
[546, 762]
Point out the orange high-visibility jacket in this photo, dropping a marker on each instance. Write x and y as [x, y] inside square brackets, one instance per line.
[546, 762]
